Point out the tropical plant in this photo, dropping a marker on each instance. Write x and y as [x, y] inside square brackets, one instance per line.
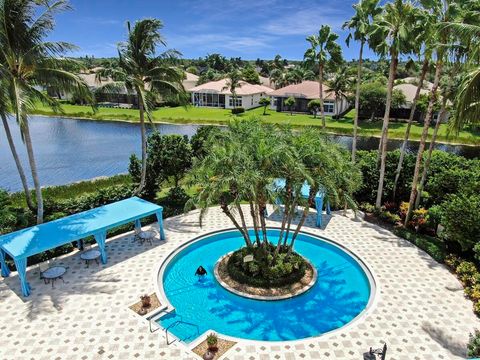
[360, 24]
[390, 36]
[28, 61]
[373, 99]
[244, 161]
[424, 42]
[234, 79]
[290, 103]
[314, 106]
[148, 76]
[250, 75]
[441, 12]
[265, 102]
[200, 140]
[323, 51]
[339, 84]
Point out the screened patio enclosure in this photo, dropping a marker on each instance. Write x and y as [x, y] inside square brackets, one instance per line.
[208, 99]
[20, 245]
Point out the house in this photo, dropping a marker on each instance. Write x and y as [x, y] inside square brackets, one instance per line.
[217, 94]
[190, 81]
[303, 93]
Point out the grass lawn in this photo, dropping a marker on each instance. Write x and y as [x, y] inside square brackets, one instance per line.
[193, 115]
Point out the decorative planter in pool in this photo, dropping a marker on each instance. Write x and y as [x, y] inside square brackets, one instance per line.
[343, 291]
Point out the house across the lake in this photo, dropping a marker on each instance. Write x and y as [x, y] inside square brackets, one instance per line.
[303, 93]
[217, 94]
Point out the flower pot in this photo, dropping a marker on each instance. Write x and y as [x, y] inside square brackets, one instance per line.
[208, 355]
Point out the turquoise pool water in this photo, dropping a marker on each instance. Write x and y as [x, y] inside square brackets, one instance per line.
[340, 294]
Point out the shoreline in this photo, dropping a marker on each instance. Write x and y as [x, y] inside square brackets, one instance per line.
[218, 123]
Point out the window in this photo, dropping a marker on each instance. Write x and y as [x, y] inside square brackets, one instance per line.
[238, 102]
[329, 107]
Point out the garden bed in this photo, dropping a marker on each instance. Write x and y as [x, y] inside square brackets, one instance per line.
[154, 304]
[222, 345]
[261, 293]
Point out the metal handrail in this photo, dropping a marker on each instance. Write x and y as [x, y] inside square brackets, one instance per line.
[176, 323]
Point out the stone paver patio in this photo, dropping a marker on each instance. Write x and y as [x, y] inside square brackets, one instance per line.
[420, 309]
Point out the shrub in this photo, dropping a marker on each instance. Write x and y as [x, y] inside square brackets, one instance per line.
[373, 99]
[199, 141]
[264, 270]
[473, 292]
[238, 110]
[174, 203]
[431, 245]
[476, 309]
[467, 273]
[389, 217]
[452, 261]
[461, 219]
[473, 347]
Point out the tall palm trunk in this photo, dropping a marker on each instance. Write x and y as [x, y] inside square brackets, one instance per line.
[426, 166]
[421, 148]
[409, 125]
[320, 86]
[33, 168]
[229, 214]
[244, 224]
[357, 102]
[384, 138]
[253, 214]
[144, 145]
[20, 170]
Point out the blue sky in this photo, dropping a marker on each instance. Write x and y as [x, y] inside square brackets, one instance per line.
[245, 28]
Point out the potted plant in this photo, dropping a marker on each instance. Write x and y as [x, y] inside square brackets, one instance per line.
[212, 341]
[146, 301]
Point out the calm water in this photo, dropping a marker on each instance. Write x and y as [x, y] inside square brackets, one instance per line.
[72, 150]
[340, 294]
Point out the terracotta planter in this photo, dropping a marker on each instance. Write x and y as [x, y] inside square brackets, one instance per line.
[208, 355]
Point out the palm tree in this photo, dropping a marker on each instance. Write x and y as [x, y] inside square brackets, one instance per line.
[390, 35]
[423, 43]
[323, 50]
[234, 78]
[360, 24]
[28, 61]
[148, 76]
[4, 115]
[339, 84]
[441, 13]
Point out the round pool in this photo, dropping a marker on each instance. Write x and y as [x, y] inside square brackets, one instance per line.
[342, 292]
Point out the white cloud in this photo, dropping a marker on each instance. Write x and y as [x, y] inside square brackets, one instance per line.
[97, 21]
[305, 21]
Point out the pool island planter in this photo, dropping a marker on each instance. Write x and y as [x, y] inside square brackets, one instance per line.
[235, 287]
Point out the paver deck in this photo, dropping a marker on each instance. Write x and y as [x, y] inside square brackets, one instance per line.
[420, 310]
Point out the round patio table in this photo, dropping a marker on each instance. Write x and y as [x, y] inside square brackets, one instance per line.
[90, 255]
[147, 236]
[53, 273]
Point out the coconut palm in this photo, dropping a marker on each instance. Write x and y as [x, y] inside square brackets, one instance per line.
[391, 36]
[144, 73]
[442, 12]
[423, 43]
[4, 115]
[29, 62]
[360, 24]
[323, 51]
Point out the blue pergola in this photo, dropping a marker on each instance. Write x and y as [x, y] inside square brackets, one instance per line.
[96, 222]
[305, 191]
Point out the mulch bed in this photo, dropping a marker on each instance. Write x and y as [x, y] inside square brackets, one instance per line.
[154, 304]
[292, 289]
[222, 345]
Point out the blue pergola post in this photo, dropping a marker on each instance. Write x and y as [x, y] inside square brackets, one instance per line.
[319, 207]
[160, 224]
[21, 265]
[101, 238]
[138, 225]
[5, 269]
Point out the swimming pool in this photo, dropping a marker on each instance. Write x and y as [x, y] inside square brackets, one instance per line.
[343, 291]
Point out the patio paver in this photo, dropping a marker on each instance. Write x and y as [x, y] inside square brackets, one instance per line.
[420, 312]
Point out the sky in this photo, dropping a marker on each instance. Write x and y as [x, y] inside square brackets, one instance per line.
[249, 29]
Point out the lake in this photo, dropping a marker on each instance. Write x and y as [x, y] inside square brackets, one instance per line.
[69, 150]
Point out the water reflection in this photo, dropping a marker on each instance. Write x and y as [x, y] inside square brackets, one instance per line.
[72, 150]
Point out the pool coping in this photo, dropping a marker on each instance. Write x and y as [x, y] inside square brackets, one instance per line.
[227, 287]
[159, 271]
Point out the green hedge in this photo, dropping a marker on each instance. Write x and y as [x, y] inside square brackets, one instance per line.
[431, 245]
